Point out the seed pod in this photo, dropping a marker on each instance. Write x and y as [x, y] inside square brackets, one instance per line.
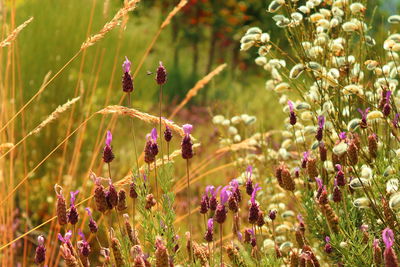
[362, 203]
[68, 256]
[359, 183]
[373, 146]
[150, 201]
[61, 206]
[116, 248]
[287, 181]
[161, 254]
[234, 256]
[132, 191]
[121, 206]
[331, 217]
[296, 71]
[200, 253]
[112, 196]
[100, 198]
[352, 153]
[312, 168]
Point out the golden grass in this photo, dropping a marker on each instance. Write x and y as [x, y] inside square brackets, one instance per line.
[114, 22]
[14, 34]
[199, 85]
[133, 113]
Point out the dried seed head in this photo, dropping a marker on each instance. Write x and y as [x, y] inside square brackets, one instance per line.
[121, 200]
[201, 253]
[322, 152]
[352, 153]
[278, 174]
[161, 254]
[112, 196]
[61, 206]
[312, 168]
[331, 217]
[287, 181]
[373, 146]
[116, 249]
[132, 190]
[100, 198]
[150, 201]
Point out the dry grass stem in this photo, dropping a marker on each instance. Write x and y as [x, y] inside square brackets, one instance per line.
[14, 34]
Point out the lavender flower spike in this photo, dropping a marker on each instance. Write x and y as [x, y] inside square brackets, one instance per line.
[66, 238]
[161, 75]
[127, 83]
[249, 171]
[210, 224]
[108, 155]
[321, 121]
[363, 123]
[292, 116]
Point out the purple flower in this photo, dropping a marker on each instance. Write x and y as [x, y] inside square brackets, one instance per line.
[253, 195]
[82, 235]
[342, 135]
[327, 239]
[126, 66]
[154, 135]
[300, 218]
[305, 159]
[210, 189]
[187, 128]
[161, 75]
[210, 224]
[73, 197]
[240, 236]
[89, 212]
[66, 238]
[291, 107]
[108, 139]
[224, 195]
[321, 121]
[234, 185]
[363, 123]
[388, 94]
[388, 237]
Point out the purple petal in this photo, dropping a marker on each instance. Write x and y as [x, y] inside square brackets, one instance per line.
[388, 94]
[82, 235]
[319, 183]
[210, 224]
[290, 104]
[89, 212]
[234, 184]
[224, 195]
[388, 237]
[61, 238]
[376, 243]
[306, 155]
[338, 167]
[108, 138]
[154, 135]
[73, 196]
[40, 240]
[253, 195]
[187, 128]
[327, 239]
[300, 218]
[321, 121]
[342, 135]
[210, 189]
[126, 65]
[240, 236]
